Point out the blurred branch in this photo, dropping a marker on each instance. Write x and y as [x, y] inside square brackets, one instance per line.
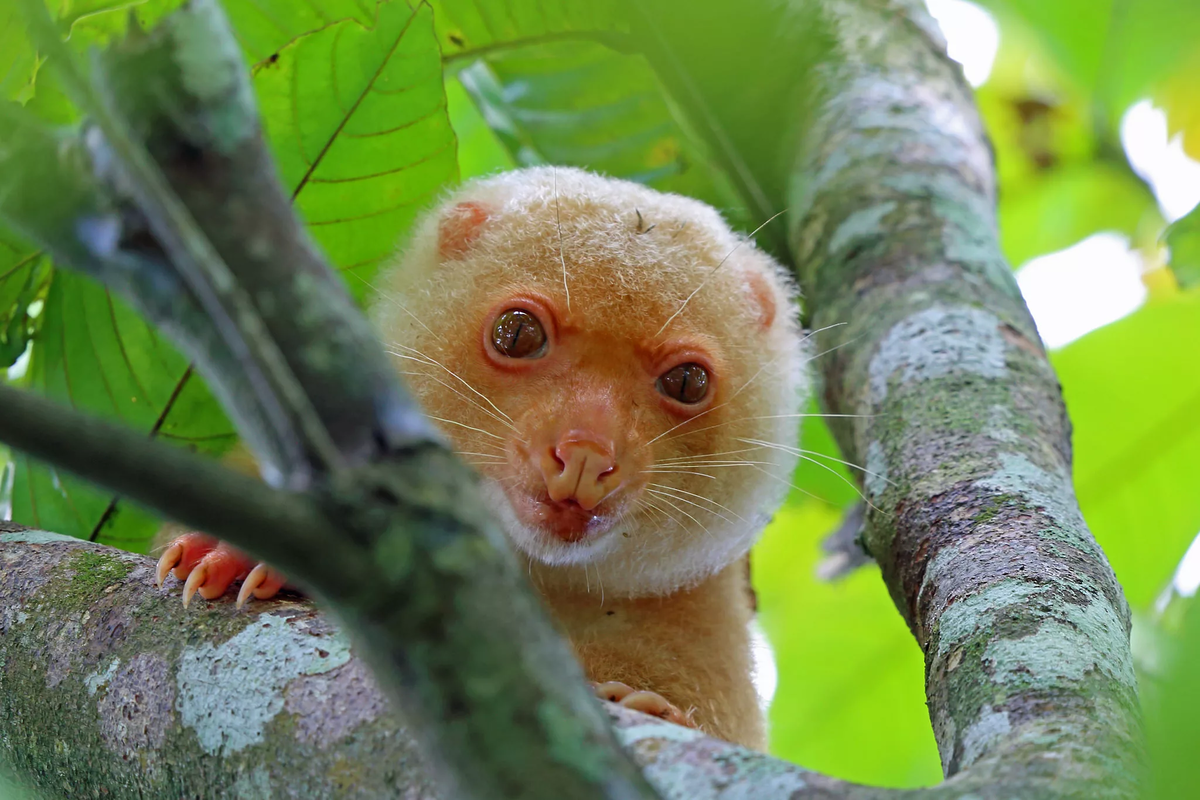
[171, 197]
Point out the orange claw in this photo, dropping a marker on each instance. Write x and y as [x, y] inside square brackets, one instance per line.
[166, 562]
[647, 702]
[194, 579]
[262, 582]
[208, 567]
[614, 691]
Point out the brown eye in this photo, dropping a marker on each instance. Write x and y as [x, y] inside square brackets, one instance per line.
[518, 334]
[687, 383]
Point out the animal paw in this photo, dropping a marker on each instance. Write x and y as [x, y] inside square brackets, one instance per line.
[209, 566]
[650, 703]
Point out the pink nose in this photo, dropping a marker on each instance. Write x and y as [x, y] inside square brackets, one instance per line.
[580, 468]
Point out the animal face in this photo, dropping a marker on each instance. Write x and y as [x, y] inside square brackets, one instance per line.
[623, 371]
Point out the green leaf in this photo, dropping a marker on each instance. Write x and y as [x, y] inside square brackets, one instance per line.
[850, 699]
[743, 81]
[1173, 737]
[18, 62]
[23, 270]
[356, 118]
[480, 151]
[94, 353]
[1133, 391]
[1183, 237]
[1070, 204]
[583, 104]
[469, 28]
[353, 103]
[1117, 51]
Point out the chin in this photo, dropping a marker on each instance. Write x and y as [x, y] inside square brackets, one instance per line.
[532, 530]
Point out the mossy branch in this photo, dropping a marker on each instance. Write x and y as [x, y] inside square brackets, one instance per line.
[182, 210]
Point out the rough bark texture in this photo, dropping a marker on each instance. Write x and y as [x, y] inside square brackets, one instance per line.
[109, 688]
[974, 520]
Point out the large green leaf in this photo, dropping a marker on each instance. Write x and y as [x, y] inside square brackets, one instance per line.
[23, 270]
[1172, 711]
[353, 104]
[743, 81]
[469, 28]
[1070, 204]
[93, 353]
[850, 698]
[356, 117]
[583, 104]
[1114, 50]
[480, 151]
[1133, 392]
[1183, 237]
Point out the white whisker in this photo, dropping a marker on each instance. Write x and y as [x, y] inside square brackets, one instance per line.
[800, 451]
[797, 452]
[502, 420]
[703, 456]
[678, 472]
[666, 498]
[558, 221]
[713, 271]
[391, 299]
[651, 504]
[454, 375]
[468, 427]
[699, 496]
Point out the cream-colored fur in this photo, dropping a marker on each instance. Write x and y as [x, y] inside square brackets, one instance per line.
[667, 568]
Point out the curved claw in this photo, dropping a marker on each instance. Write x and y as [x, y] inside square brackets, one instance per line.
[658, 706]
[195, 580]
[614, 691]
[166, 562]
[262, 582]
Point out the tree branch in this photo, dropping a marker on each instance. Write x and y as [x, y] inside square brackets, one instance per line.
[396, 539]
[974, 520]
[217, 87]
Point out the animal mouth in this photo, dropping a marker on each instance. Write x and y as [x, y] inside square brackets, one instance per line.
[567, 520]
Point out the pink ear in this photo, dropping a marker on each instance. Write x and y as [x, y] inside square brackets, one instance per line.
[459, 228]
[761, 295]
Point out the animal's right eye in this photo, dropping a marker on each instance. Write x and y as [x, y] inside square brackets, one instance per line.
[518, 334]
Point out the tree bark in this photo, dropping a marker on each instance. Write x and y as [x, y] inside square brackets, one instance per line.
[964, 434]
[109, 688]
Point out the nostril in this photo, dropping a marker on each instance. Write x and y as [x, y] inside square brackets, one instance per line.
[610, 471]
[554, 456]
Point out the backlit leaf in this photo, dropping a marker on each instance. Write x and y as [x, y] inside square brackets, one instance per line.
[95, 354]
[1133, 392]
[850, 700]
[1183, 237]
[357, 121]
[585, 105]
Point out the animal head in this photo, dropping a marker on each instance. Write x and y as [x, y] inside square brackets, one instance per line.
[624, 371]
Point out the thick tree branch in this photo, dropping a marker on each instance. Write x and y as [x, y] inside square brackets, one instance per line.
[398, 541]
[1025, 630]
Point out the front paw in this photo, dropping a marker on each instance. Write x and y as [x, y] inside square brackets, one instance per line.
[208, 567]
[650, 703]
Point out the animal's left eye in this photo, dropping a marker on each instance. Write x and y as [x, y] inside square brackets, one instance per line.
[687, 383]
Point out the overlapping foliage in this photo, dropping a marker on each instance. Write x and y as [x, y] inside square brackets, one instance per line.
[371, 109]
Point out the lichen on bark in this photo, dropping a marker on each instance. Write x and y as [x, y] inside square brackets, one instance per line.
[973, 517]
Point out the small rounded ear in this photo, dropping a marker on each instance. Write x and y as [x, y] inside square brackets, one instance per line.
[762, 295]
[459, 227]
